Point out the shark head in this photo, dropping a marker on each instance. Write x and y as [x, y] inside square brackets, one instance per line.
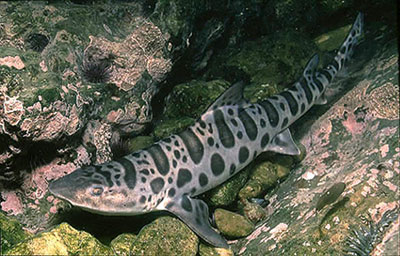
[93, 192]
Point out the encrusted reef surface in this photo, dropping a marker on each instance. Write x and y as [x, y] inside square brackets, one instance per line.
[78, 82]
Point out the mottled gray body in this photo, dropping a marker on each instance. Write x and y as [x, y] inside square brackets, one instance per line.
[227, 137]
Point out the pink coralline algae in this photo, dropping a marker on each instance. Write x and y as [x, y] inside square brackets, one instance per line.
[12, 203]
[14, 62]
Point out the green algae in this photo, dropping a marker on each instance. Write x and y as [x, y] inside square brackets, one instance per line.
[232, 224]
[171, 126]
[11, 232]
[165, 236]
[61, 240]
[195, 96]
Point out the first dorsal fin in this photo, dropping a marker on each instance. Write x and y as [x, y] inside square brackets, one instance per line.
[233, 95]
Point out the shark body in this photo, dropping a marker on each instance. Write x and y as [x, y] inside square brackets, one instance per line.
[227, 137]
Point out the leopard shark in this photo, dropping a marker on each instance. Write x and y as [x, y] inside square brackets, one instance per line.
[232, 132]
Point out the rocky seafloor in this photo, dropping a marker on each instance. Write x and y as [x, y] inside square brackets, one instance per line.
[82, 82]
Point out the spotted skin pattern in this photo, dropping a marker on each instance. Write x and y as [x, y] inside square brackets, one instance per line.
[227, 137]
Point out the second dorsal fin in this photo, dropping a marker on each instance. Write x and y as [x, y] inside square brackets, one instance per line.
[232, 95]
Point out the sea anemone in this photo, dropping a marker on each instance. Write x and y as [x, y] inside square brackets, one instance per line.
[362, 241]
[37, 42]
[120, 148]
[95, 71]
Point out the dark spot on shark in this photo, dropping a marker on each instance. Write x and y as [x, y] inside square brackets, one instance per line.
[239, 135]
[143, 179]
[159, 158]
[319, 84]
[167, 140]
[203, 180]
[264, 140]
[302, 107]
[249, 124]
[284, 122]
[157, 185]
[262, 123]
[177, 154]
[110, 166]
[202, 124]
[142, 199]
[210, 129]
[184, 159]
[200, 131]
[152, 171]
[144, 172]
[232, 169]
[168, 148]
[210, 141]
[293, 106]
[193, 145]
[326, 74]
[307, 90]
[234, 122]
[282, 106]
[225, 134]
[217, 164]
[176, 143]
[170, 180]
[130, 172]
[243, 154]
[184, 177]
[171, 192]
[186, 204]
[272, 114]
[174, 163]
[230, 112]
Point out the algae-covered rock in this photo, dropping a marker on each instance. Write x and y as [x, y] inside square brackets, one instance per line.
[192, 99]
[122, 244]
[165, 236]
[62, 240]
[265, 60]
[11, 232]
[140, 142]
[253, 211]
[227, 192]
[265, 175]
[232, 224]
[172, 126]
[208, 250]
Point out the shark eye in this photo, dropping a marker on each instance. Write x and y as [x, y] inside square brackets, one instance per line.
[96, 191]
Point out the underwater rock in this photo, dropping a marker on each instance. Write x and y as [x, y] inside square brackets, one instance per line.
[122, 244]
[265, 59]
[232, 224]
[192, 99]
[208, 250]
[171, 126]
[140, 142]
[46, 93]
[227, 192]
[61, 240]
[254, 212]
[165, 236]
[11, 233]
[264, 176]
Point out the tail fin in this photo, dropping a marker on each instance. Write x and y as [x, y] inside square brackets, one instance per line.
[346, 50]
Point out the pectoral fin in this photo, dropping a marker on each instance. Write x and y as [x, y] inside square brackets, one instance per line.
[283, 143]
[194, 213]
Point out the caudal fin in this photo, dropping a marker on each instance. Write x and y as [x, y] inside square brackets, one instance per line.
[346, 50]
